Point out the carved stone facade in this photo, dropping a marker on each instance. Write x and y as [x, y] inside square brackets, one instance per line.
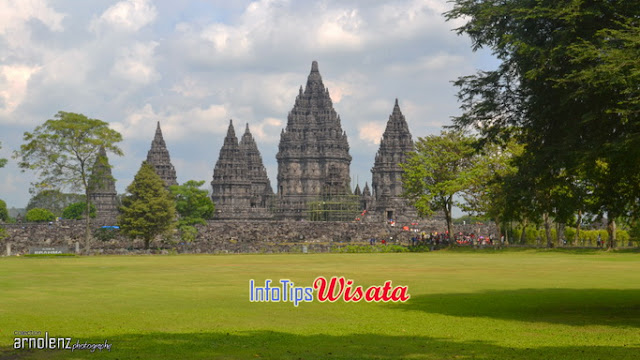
[395, 145]
[313, 157]
[158, 157]
[102, 189]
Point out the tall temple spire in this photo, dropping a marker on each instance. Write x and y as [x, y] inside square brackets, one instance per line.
[313, 157]
[158, 157]
[261, 191]
[102, 188]
[231, 185]
[395, 146]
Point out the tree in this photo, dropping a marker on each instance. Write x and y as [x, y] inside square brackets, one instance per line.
[148, 209]
[4, 213]
[568, 82]
[437, 171]
[54, 200]
[77, 211]
[3, 162]
[63, 150]
[193, 205]
[486, 193]
[39, 215]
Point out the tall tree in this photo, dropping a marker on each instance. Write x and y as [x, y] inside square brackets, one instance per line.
[437, 171]
[148, 209]
[62, 152]
[568, 82]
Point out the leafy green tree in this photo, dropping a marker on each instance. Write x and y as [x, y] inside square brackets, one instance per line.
[148, 209]
[568, 81]
[437, 171]
[3, 162]
[63, 151]
[39, 215]
[194, 206]
[77, 211]
[53, 200]
[192, 203]
[486, 193]
[4, 213]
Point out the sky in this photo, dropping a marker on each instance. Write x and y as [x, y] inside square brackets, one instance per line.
[193, 65]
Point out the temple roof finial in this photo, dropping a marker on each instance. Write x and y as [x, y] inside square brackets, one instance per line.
[314, 66]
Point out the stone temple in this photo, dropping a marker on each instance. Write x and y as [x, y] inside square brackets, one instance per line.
[395, 145]
[313, 156]
[102, 189]
[158, 157]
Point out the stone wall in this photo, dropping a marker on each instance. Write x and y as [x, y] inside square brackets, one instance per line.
[221, 237]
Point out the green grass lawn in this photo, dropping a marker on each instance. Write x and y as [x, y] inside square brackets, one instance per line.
[505, 305]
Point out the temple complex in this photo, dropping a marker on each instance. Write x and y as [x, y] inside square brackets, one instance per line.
[313, 179]
[158, 157]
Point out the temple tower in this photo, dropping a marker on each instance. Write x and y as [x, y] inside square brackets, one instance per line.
[395, 145]
[102, 189]
[231, 181]
[261, 191]
[313, 157]
[158, 157]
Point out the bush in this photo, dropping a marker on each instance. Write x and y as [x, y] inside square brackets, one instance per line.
[105, 234]
[570, 234]
[188, 233]
[77, 210]
[39, 215]
[622, 236]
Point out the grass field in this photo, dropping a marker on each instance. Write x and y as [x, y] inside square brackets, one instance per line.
[506, 305]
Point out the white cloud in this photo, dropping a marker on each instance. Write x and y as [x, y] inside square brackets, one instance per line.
[129, 15]
[267, 131]
[136, 63]
[192, 87]
[13, 86]
[176, 124]
[371, 132]
[341, 30]
[426, 64]
[15, 13]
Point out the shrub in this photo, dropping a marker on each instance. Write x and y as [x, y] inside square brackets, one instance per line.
[77, 210]
[105, 234]
[188, 233]
[39, 215]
